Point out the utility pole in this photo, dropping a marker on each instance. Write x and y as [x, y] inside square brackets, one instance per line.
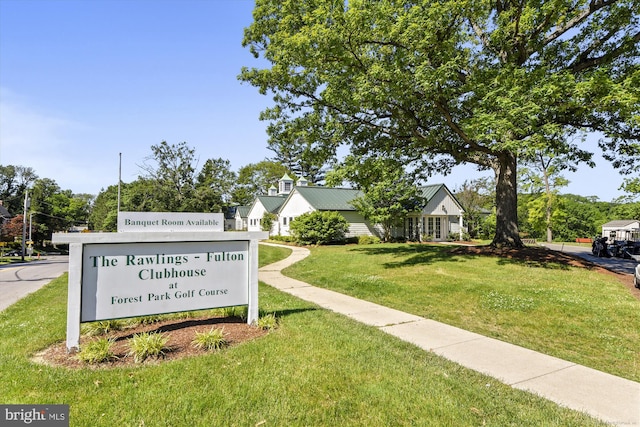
[119, 180]
[27, 203]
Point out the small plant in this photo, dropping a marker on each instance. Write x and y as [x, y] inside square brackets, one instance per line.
[102, 327]
[97, 351]
[147, 344]
[240, 311]
[211, 340]
[268, 322]
[368, 240]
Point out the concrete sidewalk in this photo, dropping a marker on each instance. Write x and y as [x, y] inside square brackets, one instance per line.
[612, 399]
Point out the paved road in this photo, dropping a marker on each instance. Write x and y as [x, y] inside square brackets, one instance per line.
[18, 280]
[619, 265]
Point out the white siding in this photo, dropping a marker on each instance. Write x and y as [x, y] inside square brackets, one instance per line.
[293, 207]
[442, 204]
[358, 226]
[255, 215]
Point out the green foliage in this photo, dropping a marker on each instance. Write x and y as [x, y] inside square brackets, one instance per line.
[389, 192]
[437, 84]
[102, 327]
[211, 340]
[147, 344]
[477, 199]
[97, 351]
[319, 227]
[255, 179]
[281, 238]
[368, 240]
[267, 221]
[268, 322]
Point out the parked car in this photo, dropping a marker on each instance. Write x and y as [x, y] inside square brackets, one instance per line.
[12, 253]
[636, 277]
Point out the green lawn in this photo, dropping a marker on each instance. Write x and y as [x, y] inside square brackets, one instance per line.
[571, 313]
[317, 369]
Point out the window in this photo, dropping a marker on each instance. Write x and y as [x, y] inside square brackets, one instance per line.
[410, 227]
[438, 230]
[284, 220]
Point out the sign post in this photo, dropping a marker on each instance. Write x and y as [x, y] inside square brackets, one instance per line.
[130, 274]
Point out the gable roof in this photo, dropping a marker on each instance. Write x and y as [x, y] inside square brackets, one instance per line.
[270, 203]
[243, 211]
[429, 191]
[621, 223]
[4, 213]
[328, 198]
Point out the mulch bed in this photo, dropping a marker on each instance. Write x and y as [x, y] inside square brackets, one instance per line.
[181, 333]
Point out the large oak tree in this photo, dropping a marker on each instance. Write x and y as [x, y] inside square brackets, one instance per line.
[440, 83]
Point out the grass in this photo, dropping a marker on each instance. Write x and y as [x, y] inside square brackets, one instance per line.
[317, 368]
[571, 313]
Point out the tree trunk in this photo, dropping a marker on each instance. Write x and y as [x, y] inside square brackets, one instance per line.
[506, 203]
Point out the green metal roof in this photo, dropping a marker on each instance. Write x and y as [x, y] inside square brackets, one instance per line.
[243, 211]
[329, 199]
[428, 191]
[271, 203]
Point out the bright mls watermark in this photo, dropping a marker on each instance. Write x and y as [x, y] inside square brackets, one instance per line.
[34, 415]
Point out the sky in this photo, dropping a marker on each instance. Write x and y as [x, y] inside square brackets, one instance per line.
[85, 83]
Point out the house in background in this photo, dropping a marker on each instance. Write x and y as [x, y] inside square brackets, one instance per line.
[241, 217]
[5, 215]
[621, 229]
[304, 199]
[439, 218]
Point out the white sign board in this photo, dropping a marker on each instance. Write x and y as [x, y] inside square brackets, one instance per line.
[116, 275]
[139, 279]
[169, 221]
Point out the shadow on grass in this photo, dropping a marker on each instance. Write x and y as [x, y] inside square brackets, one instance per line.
[412, 254]
[420, 254]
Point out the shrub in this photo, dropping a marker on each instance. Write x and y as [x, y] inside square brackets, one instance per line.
[211, 340]
[268, 322]
[319, 228]
[368, 240]
[281, 238]
[147, 344]
[97, 351]
[102, 327]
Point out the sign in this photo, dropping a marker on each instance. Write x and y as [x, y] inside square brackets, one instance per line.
[169, 221]
[116, 275]
[139, 279]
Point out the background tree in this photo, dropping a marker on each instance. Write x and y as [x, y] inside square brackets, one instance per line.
[214, 186]
[55, 209]
[255, 179]
[543, 178]
[303, 144]
[12, 229]
[104, 213]
[436, 84]
[14, 182]
[171, 171]
[476, 197]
